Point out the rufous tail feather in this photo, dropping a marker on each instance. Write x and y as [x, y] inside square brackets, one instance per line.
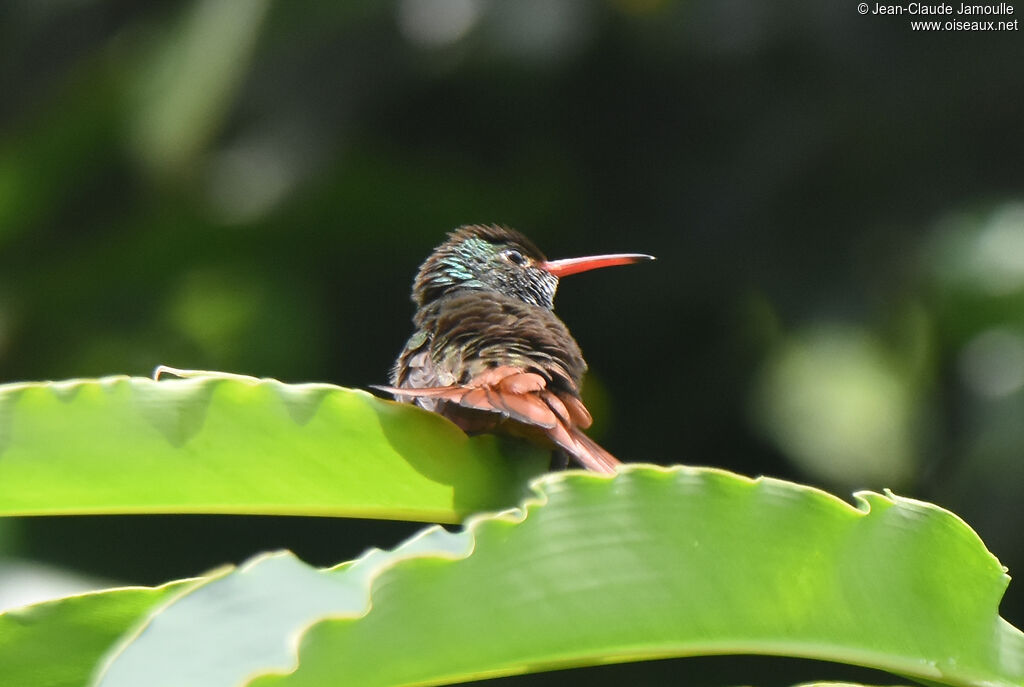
[524, 398]
[591, 455]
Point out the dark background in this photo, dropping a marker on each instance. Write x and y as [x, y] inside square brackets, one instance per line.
[836, 203]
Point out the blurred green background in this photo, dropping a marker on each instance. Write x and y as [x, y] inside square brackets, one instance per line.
[836, 202]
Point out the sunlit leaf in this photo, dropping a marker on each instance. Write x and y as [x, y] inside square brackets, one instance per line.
[651, 563]
[230, 444]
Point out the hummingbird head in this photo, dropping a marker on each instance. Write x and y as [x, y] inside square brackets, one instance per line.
[493, 258]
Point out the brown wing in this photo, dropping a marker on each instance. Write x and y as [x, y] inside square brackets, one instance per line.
[472, 331]
[529, 407]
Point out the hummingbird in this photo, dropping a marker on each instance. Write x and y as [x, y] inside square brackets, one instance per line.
[488, 351]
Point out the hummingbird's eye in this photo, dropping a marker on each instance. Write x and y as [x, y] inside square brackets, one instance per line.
[514, 256]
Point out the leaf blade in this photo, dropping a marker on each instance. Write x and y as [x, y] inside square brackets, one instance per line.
[650, 564]
[59, 643]
[217, 444]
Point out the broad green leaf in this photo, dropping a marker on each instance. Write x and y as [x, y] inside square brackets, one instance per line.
[59, 643]
[650, 563]
[231, 444]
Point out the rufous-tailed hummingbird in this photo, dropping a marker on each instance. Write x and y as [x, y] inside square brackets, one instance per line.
[488, 352]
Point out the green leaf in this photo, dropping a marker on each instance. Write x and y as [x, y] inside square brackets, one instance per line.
[232, 444]
[186, 91]
[59, 643]
[651, 563]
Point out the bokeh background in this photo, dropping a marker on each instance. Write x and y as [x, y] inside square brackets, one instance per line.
[836, 202]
